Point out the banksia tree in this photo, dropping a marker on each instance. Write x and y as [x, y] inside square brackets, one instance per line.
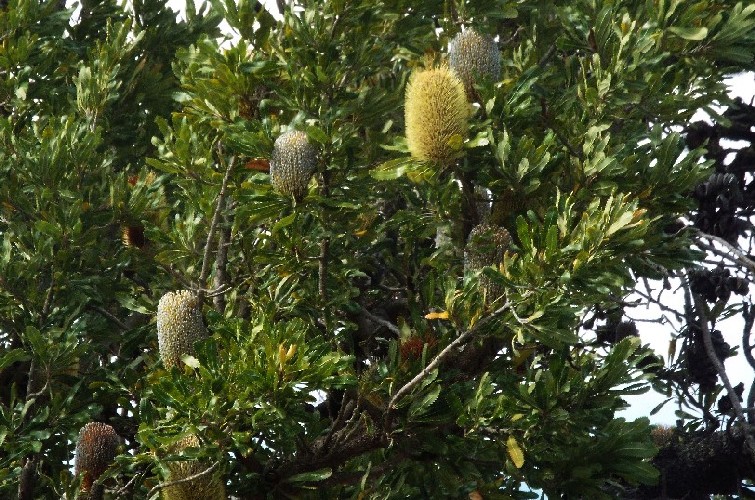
[96, 449]
[292, 163]
[179, 325]
[474, 57]
[208, 485]
[358, 349]
[436, 113]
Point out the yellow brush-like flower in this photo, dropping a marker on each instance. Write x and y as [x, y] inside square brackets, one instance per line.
[474, 57]
[436, 115]
[207, 487]
[292, 163]
[96, 449]
[179, 325]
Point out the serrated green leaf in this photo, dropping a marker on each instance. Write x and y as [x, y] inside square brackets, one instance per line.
[421, 406]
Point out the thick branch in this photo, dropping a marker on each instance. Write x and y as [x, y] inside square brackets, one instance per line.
[213, 226]
[220, 280]
[359, 443]
[183, 480]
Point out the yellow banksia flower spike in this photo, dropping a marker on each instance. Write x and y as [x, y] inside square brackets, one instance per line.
[436, 114]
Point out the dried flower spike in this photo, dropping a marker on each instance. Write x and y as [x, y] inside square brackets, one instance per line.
[96, 449]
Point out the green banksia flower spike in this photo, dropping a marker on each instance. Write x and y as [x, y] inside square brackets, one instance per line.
[96, 449]
[474, 57]
[292, 163]
[486, 246]
[436, 115]
[179, 325]
[207, 487]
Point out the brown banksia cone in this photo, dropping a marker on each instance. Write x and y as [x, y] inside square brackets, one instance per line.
[96, 448]
[133, 236]
[179, 325]
[292, 164]
[206, 487]
[436, 113]
[474, 58]
[486, 246]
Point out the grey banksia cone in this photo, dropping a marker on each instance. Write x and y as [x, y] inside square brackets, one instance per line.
[179, 325]
[474, 57]
[292, 164]
[486, 246]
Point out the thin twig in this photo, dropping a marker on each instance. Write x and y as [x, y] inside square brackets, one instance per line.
[733, 397]
[183, 480]
[124, 489]
[176, 275]
[337, 422]
[741, 257]
[749, 316]
[322, 269]
[384, 322]
[547, 56]
[34, 395]
[110, 316]
[442, 355]
[214, 224]
[48, 299]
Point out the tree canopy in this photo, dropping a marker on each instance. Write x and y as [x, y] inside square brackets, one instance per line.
[370, 248]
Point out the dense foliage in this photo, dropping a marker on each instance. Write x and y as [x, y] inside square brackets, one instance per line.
[350, 351]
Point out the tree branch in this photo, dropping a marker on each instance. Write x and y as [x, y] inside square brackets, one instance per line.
[214, 225]
[110, 316]
[221, 262]
[384, 322]
[741, 257]
[183, 480]
[322, 269]
[442, 355]
[711, 351]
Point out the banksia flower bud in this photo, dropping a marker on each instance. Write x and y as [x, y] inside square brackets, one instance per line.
[179, 325]
[96, 449]
[486, 245]
[207, 487]
[474, 57]
[292, 163]
[436, 115]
